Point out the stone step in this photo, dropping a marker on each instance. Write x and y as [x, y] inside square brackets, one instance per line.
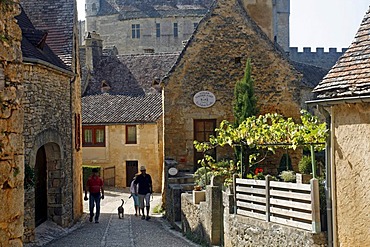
[187, 186]
[181, 179]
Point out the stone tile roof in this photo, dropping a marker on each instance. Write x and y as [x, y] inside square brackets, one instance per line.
[33, 43]
[110, 109]
[154, 8]
[56, 17]
[129, 74]
[350, 76]
[312, 75]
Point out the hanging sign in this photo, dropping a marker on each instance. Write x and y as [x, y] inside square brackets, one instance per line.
[204, 99]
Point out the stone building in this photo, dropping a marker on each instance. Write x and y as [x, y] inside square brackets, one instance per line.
[344, 97]
[52, 113]
[121, 112]
[119, 23]
[208, 68]
[11, 126]
[145, 26]
[165, 26]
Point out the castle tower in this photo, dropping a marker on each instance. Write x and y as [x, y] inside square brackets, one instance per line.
[272, 16]
[281, 23]
[92, 7]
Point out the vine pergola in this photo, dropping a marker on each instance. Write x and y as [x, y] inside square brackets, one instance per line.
[270, 131]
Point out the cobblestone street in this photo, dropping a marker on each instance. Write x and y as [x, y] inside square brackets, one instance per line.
[131, 231]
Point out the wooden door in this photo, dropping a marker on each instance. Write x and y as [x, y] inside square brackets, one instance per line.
[203, 129]
[131, 170]
[41, 198]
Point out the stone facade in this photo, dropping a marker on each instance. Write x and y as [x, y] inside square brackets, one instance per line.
[148, 152]
[272, 17]
[159, 26]
[11, 127]
[48, 124]
[214, 60]
[52, 114]
[118, 33]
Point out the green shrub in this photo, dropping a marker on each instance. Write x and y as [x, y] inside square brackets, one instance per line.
[202, 177]
[29, 177]
[305, 165]
[288, 176]
[158, 209]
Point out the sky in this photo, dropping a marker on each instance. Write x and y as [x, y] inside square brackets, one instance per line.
[315, 23]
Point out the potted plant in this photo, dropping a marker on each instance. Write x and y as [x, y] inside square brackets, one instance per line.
[201, 178]
[305, 170]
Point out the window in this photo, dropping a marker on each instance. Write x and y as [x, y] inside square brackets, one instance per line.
[158, 30]
[175, 30]
[93, 136]
[135, 31]
[131, 134]
[203, 129]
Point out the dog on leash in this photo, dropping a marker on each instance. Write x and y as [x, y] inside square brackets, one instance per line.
[121, 210]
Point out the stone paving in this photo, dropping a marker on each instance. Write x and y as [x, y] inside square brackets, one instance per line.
[131, 231]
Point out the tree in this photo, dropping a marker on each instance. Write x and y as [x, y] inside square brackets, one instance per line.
[244, 106]
[245, 102]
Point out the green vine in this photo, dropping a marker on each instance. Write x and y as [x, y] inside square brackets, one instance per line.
[29, 177]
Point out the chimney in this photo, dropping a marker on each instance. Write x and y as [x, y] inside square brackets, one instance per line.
[94, 50]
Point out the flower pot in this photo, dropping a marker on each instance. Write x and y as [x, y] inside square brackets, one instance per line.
[199, 196]
[303, 178]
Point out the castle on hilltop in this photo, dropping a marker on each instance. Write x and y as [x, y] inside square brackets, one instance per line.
[165, 26]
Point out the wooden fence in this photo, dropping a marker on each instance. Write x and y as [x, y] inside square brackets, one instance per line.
[291, 204]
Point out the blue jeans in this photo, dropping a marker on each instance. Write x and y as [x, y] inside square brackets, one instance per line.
[94, 199]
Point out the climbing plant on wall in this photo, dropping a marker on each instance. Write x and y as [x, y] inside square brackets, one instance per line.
[270, 131]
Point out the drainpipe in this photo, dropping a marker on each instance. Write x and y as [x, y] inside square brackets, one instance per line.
[328, 168]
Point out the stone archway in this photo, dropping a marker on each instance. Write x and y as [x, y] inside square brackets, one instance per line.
[47, 158]
[49, 180]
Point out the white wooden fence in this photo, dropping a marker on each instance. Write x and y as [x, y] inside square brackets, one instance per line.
[291, 204]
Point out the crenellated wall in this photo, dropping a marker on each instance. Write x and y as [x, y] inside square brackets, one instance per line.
[11, 127]
[319, 58]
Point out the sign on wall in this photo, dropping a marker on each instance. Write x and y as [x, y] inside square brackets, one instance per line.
[204, 99]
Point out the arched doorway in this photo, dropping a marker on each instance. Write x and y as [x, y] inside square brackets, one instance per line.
[41, 197]
[49, 186]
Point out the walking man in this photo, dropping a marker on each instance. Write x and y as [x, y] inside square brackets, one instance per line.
[144, 191]
[94, 185]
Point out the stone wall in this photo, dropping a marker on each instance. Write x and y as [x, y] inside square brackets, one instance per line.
[236, 230]
[318, 58]
[11, 127]
[351, 201]
[246, 231]
[48, 123]
[203, 222]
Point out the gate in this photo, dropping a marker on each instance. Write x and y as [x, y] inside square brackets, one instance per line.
[109, 175]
